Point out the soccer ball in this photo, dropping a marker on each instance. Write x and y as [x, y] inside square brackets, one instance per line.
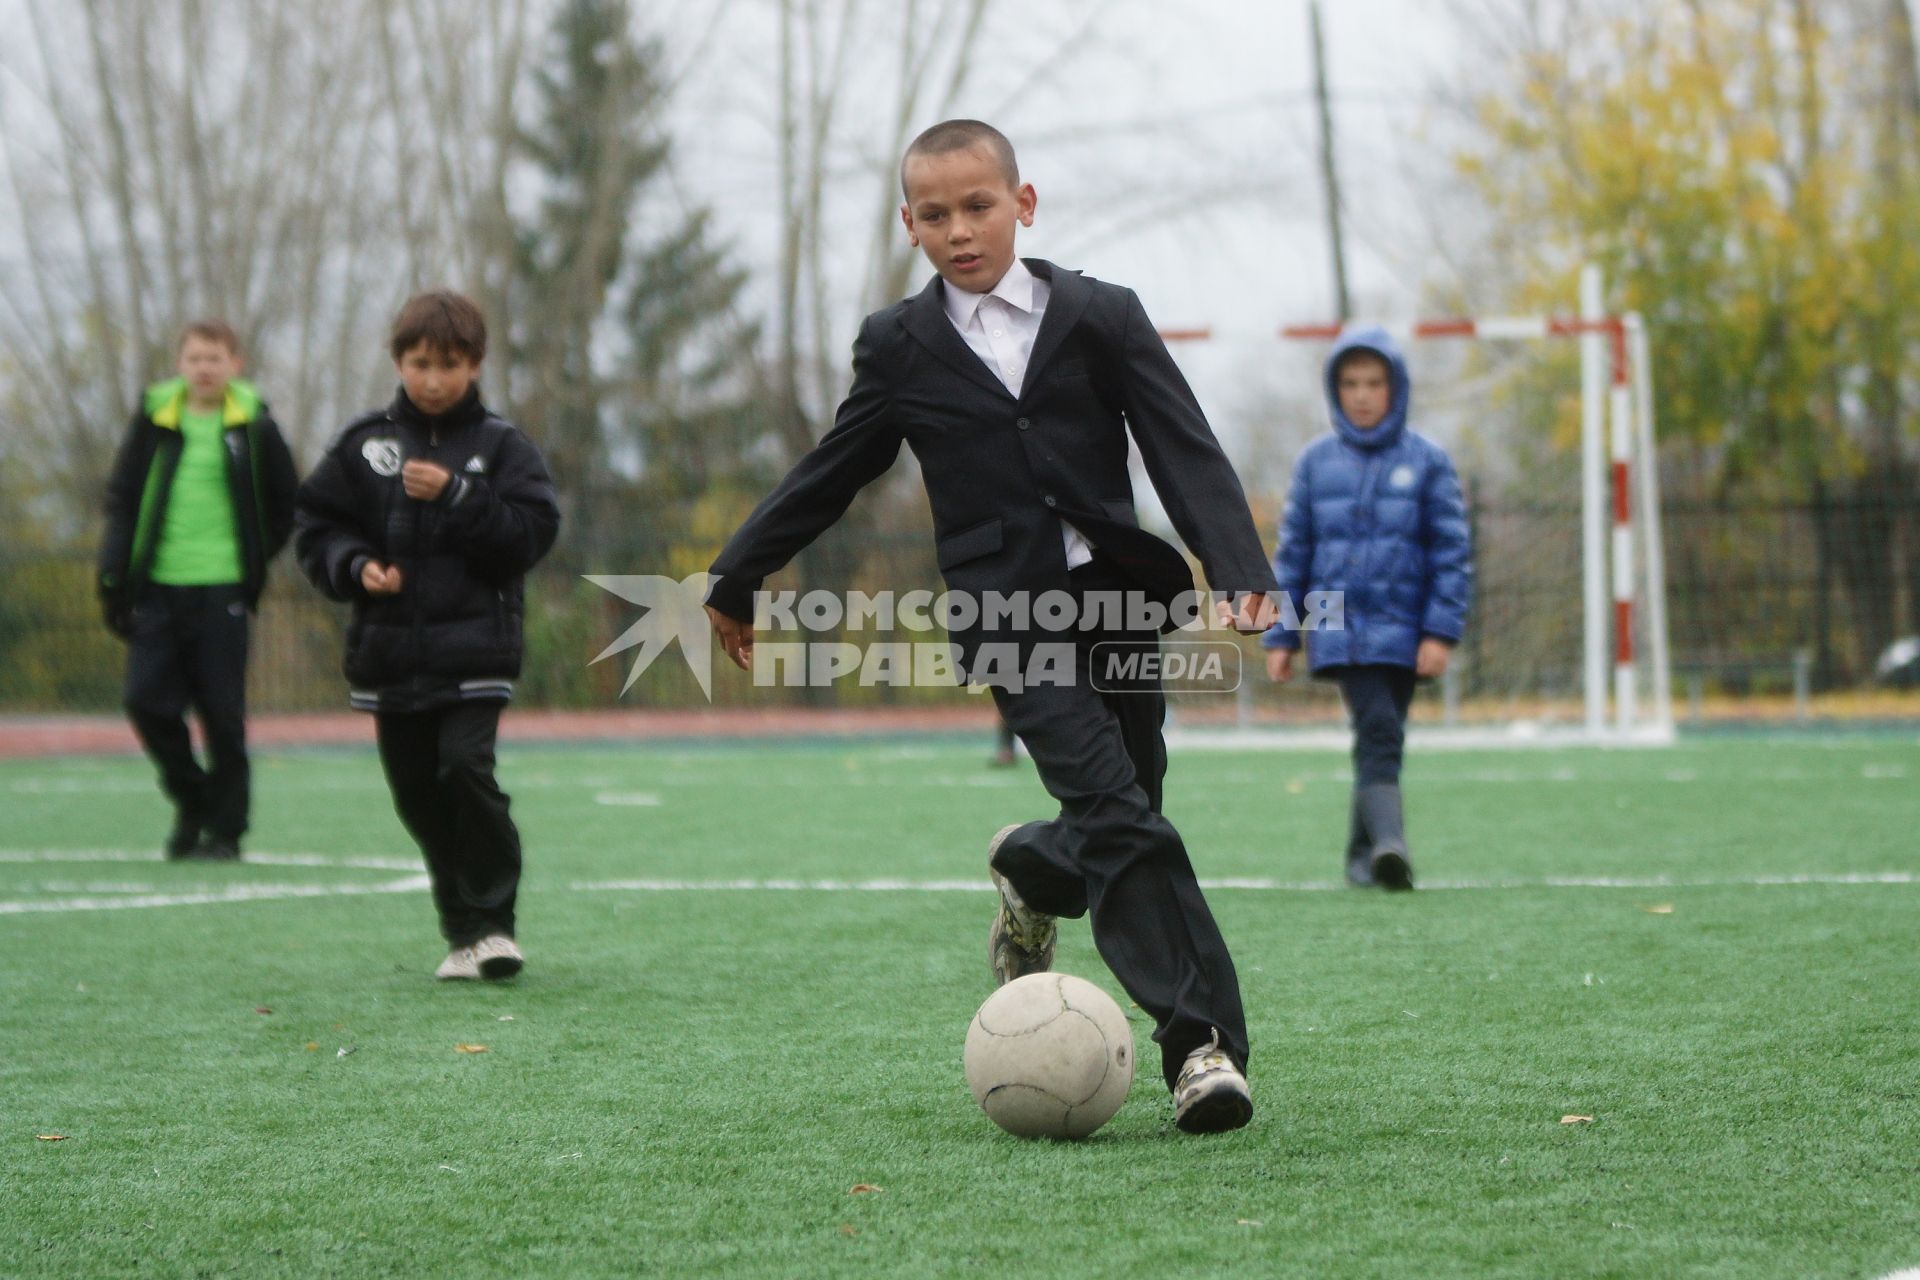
[1050, 1055]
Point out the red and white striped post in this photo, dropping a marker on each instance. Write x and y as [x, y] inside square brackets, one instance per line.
[1659, 655]
[1620, 413]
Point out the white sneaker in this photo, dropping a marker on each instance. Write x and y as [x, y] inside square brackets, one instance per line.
[461, 965]
[498, 957]
[1211, 1095]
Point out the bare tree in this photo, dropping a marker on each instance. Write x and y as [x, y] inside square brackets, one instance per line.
[232, 157]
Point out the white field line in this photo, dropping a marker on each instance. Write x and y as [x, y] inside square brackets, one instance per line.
[123, 897]
[233, 893]
[259, 859]
[1257, 884]
[1519, 737]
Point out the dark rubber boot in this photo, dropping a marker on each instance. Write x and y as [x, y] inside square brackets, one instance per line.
[1388, 861]
[1359, 856]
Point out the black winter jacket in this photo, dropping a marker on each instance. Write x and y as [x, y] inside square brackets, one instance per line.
[453, 631]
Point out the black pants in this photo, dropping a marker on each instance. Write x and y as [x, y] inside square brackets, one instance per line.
[189, 649]
[1111, 854]
[440, 766]
[1377, 699]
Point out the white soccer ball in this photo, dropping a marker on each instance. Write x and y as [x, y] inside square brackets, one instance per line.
[1050, 1055]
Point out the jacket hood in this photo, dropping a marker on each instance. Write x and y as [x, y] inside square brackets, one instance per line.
[166, 401]
[1375, 339]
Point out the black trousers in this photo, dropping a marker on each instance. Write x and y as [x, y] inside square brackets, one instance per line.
[189, 649]
[1377, 699]
[439, 764]
[1111, 854]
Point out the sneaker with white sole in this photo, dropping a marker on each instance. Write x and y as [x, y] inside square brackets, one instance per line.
[498, 956]
[461, 965]
[1020, 940]
[1210, 1095]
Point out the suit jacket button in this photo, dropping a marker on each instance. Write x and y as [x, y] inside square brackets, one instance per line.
[1051, 502]
[1023, 424]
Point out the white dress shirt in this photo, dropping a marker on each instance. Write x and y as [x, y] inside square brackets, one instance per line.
[999, 326]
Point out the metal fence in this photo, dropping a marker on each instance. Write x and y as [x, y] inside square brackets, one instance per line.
[1759, 596]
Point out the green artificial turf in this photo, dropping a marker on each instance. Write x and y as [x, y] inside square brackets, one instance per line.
[691, 1081]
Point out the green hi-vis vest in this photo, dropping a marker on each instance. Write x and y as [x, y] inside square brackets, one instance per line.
[197, 542]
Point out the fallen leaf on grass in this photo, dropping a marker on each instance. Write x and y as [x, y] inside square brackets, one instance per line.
[1658, 909]
[846, 1229]
[260, 1008]
[1576, 1119]
[51, 1137]
[861, 1188]
[470, 1048]
[1249, 1222]
[313, 1046]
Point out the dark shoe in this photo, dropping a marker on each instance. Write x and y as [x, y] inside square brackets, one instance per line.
[217, 849]
[1391, 870]
[1020, 940]
[1387, 859]
[1210, 1095]
[184, 839]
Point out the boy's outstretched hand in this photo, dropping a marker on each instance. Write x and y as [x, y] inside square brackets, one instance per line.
[1431, 662]
[1250, 611]
[736, 637]
[380, 579]
[1280, 665]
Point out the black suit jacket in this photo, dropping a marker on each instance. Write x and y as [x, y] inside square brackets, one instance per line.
[1002, 471]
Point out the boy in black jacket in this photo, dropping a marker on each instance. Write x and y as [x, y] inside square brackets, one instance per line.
[200, 499]
[1010, 380]
[426, 515]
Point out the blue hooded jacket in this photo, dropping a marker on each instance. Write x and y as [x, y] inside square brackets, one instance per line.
[1378, 516]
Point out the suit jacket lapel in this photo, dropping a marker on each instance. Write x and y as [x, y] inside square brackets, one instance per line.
[1065, 304]
[927, 320]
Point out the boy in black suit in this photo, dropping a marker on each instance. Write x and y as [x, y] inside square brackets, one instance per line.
[1010, 381]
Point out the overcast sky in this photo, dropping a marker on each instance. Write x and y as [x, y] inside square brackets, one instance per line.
[1174, 151]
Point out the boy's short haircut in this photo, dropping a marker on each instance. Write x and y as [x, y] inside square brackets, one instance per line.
[962, 135]
[211, 330]
[449, 323]
[1352, 354]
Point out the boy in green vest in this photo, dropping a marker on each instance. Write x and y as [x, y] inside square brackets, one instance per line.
[200, 499]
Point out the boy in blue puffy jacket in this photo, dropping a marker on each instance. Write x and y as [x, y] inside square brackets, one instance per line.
[1374, 513]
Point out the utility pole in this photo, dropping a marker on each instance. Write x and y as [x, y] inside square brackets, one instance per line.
[1330, 180]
